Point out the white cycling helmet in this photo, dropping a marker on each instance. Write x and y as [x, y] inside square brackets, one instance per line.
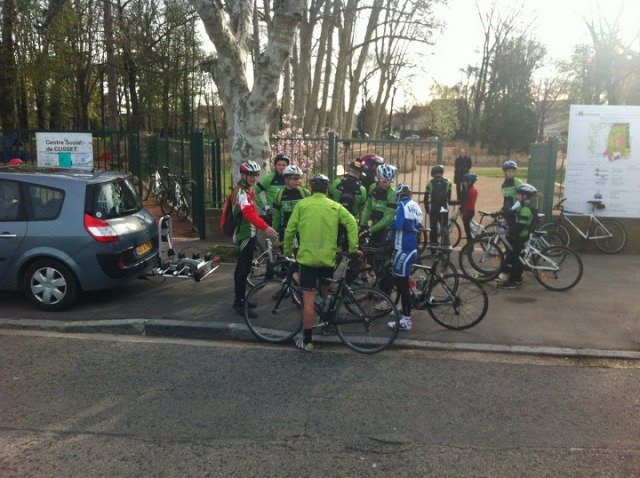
[249, 167]
[402, 188]
[527, 189]
[386, 172]
[292, 170]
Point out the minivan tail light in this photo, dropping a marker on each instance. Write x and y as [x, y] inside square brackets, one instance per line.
[100, 230]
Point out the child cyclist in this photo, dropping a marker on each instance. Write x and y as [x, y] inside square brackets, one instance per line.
[467, 202]
[525, 217]
[287, 198]
[509, 186]
[405, 228]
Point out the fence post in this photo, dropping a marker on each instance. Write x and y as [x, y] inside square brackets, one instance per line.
[197, 173]
[135, 162]
[332, 159]
[218, 182]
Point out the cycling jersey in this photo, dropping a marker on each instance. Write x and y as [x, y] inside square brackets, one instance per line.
[406, 225]
[267, 189]
[380, 208]
[525, 221]
[283, 207]
[349, 192]
[509, 193]
[316, 220]
[245, 210]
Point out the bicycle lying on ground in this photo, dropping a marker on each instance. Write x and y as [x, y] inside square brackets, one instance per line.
[609, 235]
[277, 316]
[556, 268]
[454, 301]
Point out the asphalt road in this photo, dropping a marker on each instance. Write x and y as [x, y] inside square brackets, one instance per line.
[98, 405]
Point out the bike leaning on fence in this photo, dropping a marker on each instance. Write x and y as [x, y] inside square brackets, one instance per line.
[609, 235]
[276, 307]
[177, 195]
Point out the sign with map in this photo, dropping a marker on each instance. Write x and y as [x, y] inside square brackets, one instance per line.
[65, 150]
[603, 159]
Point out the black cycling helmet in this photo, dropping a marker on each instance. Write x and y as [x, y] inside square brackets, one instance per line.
[470, 178]
[527, 190]
[281, 157]
[509, 164]
[437, 169]
[319, 183]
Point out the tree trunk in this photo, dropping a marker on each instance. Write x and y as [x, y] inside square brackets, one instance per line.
[249, 111]
[110, 66]
[8, 70]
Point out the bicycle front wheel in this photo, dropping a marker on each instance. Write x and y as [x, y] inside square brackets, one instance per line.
[481, 259]
[455, 234]
[556, 234]
[558, 268]
[277, 315]
[612, 244]
[457, 307]
[366, 320]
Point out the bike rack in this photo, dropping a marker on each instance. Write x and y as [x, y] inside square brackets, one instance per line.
[171, 264]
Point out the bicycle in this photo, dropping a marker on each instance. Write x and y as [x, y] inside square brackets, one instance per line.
[155, 184]
[454, 301]
[455, 229]
[177, 196]
[556, 268]
[609, 235]
[266, 264]
[277, 315]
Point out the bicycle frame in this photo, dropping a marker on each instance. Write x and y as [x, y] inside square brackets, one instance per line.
[593, 221]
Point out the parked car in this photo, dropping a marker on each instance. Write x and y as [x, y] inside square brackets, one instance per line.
[413, 137]
[63, 232]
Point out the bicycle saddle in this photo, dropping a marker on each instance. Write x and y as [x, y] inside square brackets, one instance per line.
[596, 204]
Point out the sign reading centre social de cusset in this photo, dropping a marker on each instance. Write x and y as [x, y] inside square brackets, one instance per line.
[65, 150]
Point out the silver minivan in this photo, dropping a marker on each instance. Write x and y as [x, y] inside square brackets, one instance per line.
[63, 232]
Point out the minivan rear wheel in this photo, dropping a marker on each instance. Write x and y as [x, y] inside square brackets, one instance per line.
[50, 285]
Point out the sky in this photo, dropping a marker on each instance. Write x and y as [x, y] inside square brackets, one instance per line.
[558, 24]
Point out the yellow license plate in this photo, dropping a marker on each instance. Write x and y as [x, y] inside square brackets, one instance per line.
[142, 249]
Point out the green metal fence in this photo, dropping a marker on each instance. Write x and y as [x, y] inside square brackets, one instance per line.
[542, 173]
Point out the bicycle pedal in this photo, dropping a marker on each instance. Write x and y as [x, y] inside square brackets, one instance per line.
[195, 256]
[182, 255]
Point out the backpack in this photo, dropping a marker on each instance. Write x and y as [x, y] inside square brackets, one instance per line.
[438, 195]
[227, 222]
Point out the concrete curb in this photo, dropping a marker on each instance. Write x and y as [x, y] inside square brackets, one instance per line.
[234, 331]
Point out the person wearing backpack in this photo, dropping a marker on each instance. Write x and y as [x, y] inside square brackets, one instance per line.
[370, 163]
[288, 198]
[248, 222]
[437, 197]
[267, 188]
[349, 192]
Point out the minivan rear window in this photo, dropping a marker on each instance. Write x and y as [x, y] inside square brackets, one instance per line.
[117, 198]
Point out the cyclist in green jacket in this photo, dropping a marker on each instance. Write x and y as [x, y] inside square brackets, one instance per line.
[315, 220]
[349, 191]
[287, 198]
[509, 186]
[380, 207]
[268, 187]
[526, 216]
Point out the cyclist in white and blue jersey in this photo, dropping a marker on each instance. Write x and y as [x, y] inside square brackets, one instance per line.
[405, 228]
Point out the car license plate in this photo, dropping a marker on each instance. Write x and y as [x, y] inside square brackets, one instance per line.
[207, 268]
[142, 249]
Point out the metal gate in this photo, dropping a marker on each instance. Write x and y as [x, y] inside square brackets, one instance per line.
[542, 173]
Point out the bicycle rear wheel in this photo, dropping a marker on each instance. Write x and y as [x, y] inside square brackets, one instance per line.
[362, 324]
[482, 260]
[612, 244]
[277, 316]
[558, 268]
[556, 233]
[460, 307]
[183, 209]
[166, 202]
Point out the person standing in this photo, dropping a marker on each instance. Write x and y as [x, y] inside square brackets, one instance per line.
[467, 202]
[349, 192]
[370, 162]
[405, 228]
[437, 197]
[461, 167]
[381, 205]
[244, 234]
[315, 221]
[288, 198]
[267, 188]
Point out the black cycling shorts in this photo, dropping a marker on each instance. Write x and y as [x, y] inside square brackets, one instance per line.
[309, 276]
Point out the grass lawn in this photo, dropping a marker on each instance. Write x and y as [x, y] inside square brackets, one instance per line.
[522, 173]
